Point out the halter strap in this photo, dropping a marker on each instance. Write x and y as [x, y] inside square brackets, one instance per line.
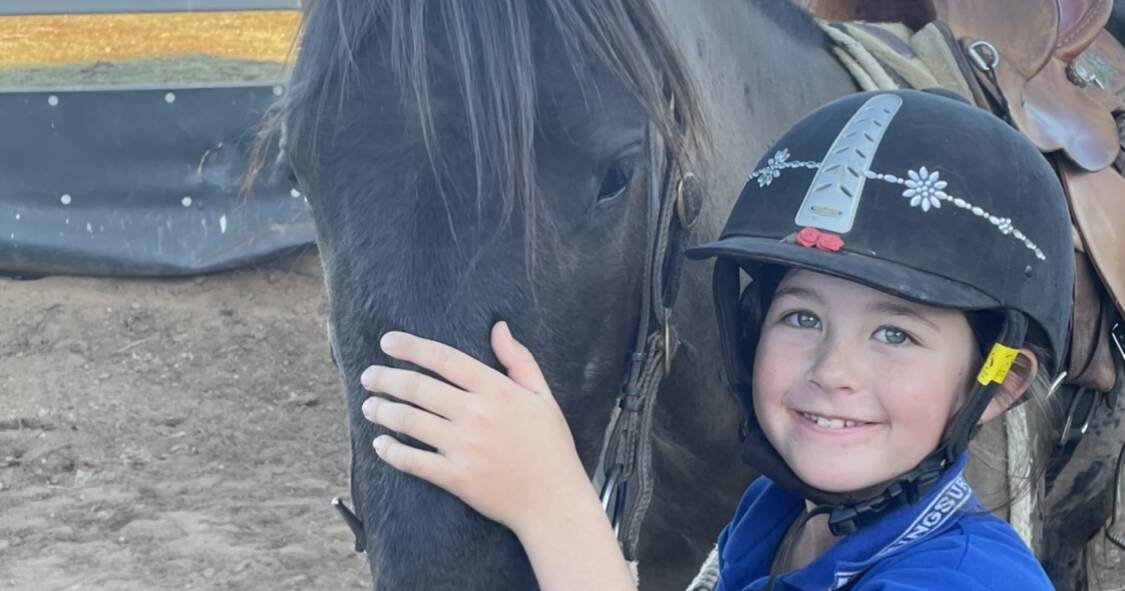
[624, 476]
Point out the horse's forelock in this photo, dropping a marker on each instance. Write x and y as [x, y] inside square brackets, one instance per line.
[486, 52]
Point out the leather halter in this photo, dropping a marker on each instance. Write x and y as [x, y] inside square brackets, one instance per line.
[623, 477]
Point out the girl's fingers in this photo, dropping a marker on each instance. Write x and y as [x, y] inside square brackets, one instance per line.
[407, 420]
[426, 465]
[433, 395]
[451, 364]
[520, 363]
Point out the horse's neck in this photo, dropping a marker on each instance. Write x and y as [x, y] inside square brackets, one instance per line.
[758, 70]
[755, 77]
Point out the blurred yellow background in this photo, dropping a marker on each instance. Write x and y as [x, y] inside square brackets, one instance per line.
[30, 41]
[145, 48]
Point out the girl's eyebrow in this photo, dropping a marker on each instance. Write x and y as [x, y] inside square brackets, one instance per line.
[798, 292]
[896, 309]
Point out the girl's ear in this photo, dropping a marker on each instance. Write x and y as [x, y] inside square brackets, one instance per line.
[1015, 384]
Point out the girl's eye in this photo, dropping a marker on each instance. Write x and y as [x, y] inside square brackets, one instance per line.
[892, 336]
[802, 320]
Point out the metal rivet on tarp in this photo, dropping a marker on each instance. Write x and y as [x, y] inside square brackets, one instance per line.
[170, 97]
[186, 201]
[65, 199]
[53, 100]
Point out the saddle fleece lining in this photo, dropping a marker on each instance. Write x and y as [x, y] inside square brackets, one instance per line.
[886, 56]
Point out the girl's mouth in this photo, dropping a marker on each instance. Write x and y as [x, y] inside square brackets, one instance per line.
[832, 423]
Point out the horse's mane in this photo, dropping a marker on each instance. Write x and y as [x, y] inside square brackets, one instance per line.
[486, 48]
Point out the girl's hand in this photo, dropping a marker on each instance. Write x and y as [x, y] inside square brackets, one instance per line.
[503, 446]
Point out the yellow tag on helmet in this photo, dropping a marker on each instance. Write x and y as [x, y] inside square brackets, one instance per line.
[996, 367]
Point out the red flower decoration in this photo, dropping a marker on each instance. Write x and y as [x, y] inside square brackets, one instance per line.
[808, 237]
[813, 238]
[830, 242]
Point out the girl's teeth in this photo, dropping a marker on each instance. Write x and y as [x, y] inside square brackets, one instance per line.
[830, 423]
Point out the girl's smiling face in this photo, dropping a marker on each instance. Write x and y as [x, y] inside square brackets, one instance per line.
[853, 386]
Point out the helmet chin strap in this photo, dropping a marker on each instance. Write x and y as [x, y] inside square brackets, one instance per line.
[848, 514]
[964, 425]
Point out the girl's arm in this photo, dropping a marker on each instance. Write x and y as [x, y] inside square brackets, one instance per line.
[503, 447]
[576, 549]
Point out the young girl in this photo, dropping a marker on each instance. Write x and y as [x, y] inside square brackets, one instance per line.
[911, 270]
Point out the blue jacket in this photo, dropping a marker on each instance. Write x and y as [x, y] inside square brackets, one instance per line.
[945, 541]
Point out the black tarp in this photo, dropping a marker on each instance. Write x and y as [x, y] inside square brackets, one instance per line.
[138, 181]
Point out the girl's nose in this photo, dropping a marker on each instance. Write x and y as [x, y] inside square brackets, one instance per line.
[834, 368]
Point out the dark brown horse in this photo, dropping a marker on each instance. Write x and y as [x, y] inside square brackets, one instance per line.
[466, 164]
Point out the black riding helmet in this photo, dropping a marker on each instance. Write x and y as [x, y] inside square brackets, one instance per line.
[918, 195]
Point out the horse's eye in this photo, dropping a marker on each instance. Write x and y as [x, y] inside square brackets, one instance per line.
[616, 179]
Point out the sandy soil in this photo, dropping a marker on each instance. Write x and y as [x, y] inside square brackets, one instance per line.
[171, 434]
[188, 433]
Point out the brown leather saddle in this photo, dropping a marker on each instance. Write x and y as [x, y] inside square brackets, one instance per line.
[1051, 65]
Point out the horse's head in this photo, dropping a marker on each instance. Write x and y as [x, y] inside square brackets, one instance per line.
[466, 165]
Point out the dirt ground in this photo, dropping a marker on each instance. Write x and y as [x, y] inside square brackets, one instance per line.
[171, 434]
[183, 434]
